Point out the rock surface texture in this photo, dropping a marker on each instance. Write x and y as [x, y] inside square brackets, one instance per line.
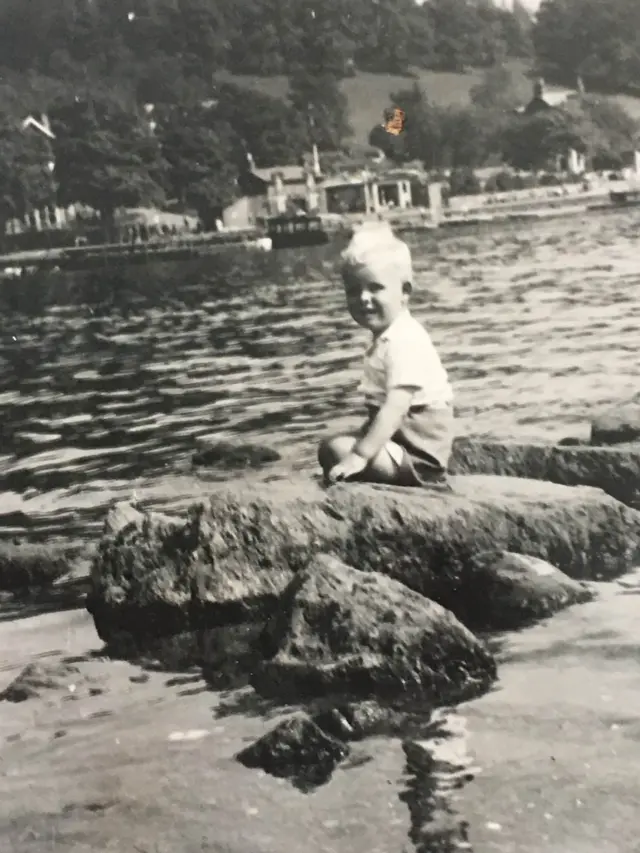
[296, 749]
[615, 470]
[156, 575]
[343, 631]
[231, 561]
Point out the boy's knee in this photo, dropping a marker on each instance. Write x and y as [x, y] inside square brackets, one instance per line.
[334, 450]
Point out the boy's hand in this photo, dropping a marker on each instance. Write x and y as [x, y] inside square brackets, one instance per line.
[351, 466]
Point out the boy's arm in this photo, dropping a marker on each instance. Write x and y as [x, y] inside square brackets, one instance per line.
[386, 423]
[375, 437]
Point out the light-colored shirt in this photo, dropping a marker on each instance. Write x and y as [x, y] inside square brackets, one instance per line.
[404, 356]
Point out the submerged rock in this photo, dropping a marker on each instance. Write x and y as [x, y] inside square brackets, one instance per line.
[572, 441]
[343, 631]
[437, 765]
[228, 562]
[615, 470]
[25, 566]
[230, 457]
[296, 749]
[38, 680]
[618, 425]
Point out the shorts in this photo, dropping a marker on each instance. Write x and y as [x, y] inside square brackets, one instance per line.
[413, 471]
[415, 468]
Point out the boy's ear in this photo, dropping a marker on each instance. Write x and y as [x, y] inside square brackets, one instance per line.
[407, 288]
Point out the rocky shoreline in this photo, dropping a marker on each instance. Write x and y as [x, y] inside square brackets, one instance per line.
[369, 597]
[359, 611]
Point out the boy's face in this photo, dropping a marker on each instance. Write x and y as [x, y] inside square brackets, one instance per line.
[372, 303]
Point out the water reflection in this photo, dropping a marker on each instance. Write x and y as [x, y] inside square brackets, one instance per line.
[110, 381]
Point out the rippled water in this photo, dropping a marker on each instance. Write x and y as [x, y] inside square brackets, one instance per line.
[110, 381]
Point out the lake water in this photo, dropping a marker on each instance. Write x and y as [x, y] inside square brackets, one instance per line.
[110, 381]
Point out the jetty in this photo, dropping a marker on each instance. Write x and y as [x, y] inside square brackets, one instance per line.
[100, 255]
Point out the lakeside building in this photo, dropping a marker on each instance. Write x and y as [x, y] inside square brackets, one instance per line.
[374, 192]
[272, 192]
[305, 189]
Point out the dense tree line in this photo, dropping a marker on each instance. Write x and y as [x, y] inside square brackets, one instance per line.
[109, 152]
[598, 41]
[96, 66]
[123, 38]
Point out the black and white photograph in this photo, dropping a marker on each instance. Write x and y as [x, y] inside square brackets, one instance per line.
[319, 426]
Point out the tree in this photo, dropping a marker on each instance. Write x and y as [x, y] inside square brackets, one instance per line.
[163, 81]
[199, 149]
[24, 28]
[458, 30]
[497, 89]
[423, 138]
[608, 132]
[27, 180]
[199, 34]
[107, 157]
[535, 142]
[318, 98]
[265, 127]
[392, 145]
[463, 181]
[391, 36]
[598, 41]
[255, 45]
[471, 136]
[322, 44]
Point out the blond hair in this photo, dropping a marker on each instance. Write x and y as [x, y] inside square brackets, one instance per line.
[376, 250]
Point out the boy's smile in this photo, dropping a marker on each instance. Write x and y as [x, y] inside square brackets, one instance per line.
[373, 304]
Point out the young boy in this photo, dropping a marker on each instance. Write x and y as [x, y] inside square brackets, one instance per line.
[406, 439]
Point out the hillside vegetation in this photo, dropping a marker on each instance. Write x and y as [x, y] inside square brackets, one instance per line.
[368, 94]
[271, 78]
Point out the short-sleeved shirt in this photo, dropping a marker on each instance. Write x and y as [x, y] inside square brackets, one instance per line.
[404, 356]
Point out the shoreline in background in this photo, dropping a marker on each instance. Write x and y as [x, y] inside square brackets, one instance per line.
[494, 208]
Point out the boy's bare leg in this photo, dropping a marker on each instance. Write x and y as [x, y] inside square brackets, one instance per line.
[381, 469]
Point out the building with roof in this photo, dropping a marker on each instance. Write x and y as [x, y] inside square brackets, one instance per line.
[374, 192]
[275, 191]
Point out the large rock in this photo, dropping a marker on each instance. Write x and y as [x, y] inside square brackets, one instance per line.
[431, 542]
[230, 561]
[342, 631]
[615, 470]
[618, 425]
[155, 575]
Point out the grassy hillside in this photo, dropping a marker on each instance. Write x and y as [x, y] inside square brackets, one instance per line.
[369, 94]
